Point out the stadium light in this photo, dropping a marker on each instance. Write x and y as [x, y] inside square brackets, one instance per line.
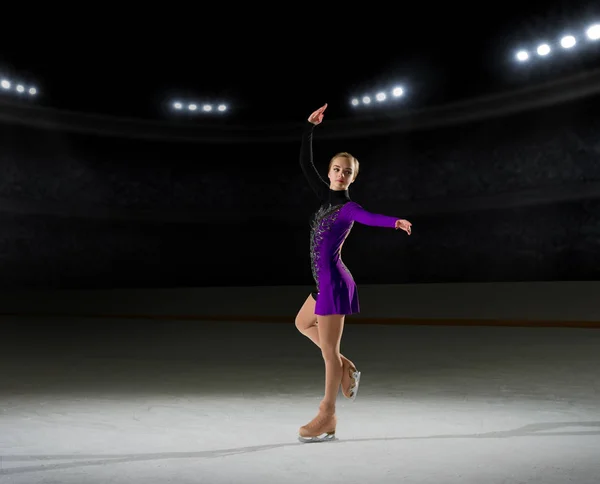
[381, 97]
[567, 41]
[12, 86]
[197, 108]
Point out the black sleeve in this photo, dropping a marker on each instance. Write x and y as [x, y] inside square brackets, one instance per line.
[318, 184]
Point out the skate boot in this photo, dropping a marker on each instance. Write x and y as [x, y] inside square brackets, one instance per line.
[350, 380]
[321, 428]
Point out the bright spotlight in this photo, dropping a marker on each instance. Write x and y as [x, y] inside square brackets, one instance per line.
[380, 96]
[20, 88]
[366, 99]
[5, 84]
[398, 91]
[522, 55]
[198, 107]
[568, 41]
[33, 91]
[543, 49]
[594, 32]
[354, 102]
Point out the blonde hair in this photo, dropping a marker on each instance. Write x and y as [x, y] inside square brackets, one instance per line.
[349, 157]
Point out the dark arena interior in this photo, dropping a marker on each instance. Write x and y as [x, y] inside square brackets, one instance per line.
[175, 302]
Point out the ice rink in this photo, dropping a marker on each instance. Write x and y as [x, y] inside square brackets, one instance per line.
[123, 401]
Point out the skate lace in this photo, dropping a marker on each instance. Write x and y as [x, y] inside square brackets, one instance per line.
[322, 418]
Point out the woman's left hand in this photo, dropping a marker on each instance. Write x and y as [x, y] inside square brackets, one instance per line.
[404, 225]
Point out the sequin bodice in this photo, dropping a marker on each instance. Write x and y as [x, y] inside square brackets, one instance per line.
[327, 235]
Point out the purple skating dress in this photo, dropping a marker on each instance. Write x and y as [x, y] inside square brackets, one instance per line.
[336, 291]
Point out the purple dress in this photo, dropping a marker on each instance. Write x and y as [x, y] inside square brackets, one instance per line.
[336, 291]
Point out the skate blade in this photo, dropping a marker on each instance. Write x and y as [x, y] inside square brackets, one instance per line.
[326, 437]
[356, 376]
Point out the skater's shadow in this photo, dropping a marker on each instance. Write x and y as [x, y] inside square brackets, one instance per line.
[84, 460]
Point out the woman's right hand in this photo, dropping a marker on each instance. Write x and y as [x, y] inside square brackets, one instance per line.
[317, 117]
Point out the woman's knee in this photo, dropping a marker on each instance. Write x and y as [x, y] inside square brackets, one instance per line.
[299, 322]
[330, 351]
[303, 322]
[306, 318]
[330, 333]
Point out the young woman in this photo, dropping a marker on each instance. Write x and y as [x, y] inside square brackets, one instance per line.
[321, 318]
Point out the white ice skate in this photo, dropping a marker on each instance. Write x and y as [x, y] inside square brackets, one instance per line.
[354, 389]
[355, 379]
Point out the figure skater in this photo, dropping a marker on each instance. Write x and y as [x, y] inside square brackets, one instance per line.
[321, 318]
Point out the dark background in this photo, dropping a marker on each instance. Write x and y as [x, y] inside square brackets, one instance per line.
[491, 198]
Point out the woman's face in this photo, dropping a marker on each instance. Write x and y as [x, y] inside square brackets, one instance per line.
[341, 173]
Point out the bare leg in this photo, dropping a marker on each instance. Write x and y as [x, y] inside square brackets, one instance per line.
[330, 333]
[322, 427]
[307, 324]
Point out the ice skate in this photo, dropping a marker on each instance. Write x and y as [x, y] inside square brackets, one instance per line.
[350, 380]
[321, 428]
